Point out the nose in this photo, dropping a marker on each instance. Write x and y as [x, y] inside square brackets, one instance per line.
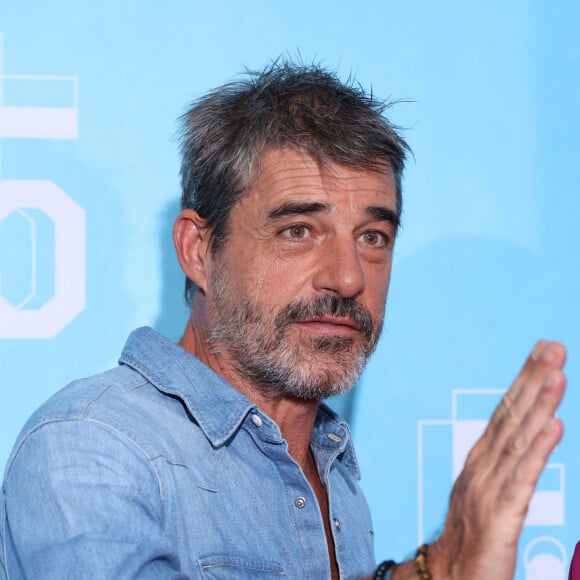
[340, 270]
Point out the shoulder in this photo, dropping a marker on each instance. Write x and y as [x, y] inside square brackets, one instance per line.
[95, 397]
[117, 408]
[83, 396]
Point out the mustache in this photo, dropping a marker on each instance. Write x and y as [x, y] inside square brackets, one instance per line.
[328, 306]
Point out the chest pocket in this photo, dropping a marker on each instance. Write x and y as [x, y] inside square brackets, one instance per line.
[238, 567]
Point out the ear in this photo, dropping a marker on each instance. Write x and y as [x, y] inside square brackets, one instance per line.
[191, 239]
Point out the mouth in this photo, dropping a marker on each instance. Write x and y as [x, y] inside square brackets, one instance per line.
[337, 325]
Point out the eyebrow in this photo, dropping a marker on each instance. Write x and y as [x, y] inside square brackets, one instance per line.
[296, 208]
[378, 213]
[384, 214]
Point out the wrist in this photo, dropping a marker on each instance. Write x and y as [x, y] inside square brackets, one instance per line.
[422, 562]
[420, 567]
[438, 559]
[405, 571]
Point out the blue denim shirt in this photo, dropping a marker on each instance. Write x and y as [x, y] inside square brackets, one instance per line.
[160, 469]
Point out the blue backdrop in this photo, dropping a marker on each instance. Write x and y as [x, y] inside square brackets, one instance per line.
[485, 265]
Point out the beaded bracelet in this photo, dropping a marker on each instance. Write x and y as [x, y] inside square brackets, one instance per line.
[383, 568]
[421, 563]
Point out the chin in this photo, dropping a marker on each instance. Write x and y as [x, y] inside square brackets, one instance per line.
[324, 383]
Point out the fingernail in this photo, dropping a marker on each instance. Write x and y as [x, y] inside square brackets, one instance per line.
[548, 354]
[547, 380]
[549, 425]
[537, 350]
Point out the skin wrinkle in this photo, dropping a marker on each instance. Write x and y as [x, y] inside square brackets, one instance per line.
[226, 133]
[273, 365]
[267, 342]
[345, 253]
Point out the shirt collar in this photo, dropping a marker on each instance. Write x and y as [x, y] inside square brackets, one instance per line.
[217, 407]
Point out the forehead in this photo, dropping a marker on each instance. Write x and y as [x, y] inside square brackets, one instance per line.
[287, 173]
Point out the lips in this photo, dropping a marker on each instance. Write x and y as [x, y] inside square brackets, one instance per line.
[328, 315]
[332, 320]
[329, 325]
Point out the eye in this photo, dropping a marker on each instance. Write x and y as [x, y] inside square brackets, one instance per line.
[297, 232]
[374, 239]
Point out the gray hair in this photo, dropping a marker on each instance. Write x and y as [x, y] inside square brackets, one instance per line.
[226, 133]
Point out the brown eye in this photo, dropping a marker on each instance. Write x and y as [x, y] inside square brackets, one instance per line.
[297, 232]
[372, 238]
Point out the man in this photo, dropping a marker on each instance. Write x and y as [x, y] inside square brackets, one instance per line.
[216, 458]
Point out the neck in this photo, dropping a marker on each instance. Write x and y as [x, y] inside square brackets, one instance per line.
[295, 417]
[296, 420]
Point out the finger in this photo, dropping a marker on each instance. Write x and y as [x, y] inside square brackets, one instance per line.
[521, 382]
[534, 423]
[529, 366]
[518, 400]
[534, 397]
[509, 397]
[517, 492]
[544, 355]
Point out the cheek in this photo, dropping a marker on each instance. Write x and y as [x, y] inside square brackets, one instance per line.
[377, 291]
[280, 281]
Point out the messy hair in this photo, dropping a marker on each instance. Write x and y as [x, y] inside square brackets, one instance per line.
[226, 133]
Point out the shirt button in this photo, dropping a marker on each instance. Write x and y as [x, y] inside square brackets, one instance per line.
[257, 420]
[300, 502]
[337, 524]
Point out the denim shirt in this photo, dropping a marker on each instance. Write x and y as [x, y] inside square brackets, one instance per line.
[160, 469]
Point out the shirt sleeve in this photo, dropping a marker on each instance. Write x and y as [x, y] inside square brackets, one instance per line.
[82, 500]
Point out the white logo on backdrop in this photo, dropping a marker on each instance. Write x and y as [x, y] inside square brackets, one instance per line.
[23, 319]
[69, 225]
[544, 557]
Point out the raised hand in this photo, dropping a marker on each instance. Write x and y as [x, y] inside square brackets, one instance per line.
[490, 498]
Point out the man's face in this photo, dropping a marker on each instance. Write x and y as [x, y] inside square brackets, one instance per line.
[296, 297]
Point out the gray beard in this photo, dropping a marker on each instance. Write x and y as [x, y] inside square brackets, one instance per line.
[312, 369]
